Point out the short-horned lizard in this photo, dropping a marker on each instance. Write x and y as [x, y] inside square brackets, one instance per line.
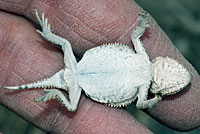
[113, 74]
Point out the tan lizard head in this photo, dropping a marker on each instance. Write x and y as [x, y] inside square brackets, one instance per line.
[170, 77]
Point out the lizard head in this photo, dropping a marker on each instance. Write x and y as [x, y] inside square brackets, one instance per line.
[169, 77]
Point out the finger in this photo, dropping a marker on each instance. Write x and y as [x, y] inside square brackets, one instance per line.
[25, 57]
[88, 24]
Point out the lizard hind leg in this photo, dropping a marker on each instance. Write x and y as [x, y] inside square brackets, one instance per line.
[71, 104]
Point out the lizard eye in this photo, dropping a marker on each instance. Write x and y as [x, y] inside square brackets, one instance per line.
[170, 76]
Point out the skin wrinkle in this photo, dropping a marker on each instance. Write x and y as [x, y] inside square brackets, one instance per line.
[52, 3]
[55, 121]
[70, 125]
[89, 28]
[30, 55]
[31, 66]
[59, 124]
[110, 28]
[82, 22]
[39, 53]
[36, 105]
[128, 30]
[37, 4]
[25, 99]
[66, 128]
[64, 32]
[79, 35]
[82, 116]
[43, 119]
[2, 65]
[156, 42]
[162, 42]
[5, 32]
[168, 44]
[28, 6]
[116, 114]
[119, 126]
[111, 119]
[170, 119]
[88, 120]
[8, 36]
[44, 4]
[12, 2]
[2, 61]
[4, 81]
[37, 73]
[164, 50]
[15, 5]
[84, 38]
[28, 67]
[17, 75]
[100, 120]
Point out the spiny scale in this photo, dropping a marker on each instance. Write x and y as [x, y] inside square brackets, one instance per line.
[121, 46]
[118, 105]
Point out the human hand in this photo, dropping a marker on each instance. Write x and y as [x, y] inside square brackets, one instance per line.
[26, 57]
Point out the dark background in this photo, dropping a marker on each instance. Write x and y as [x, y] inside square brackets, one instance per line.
[180, 19]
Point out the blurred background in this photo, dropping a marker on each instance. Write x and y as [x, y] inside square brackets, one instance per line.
[180, 19]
